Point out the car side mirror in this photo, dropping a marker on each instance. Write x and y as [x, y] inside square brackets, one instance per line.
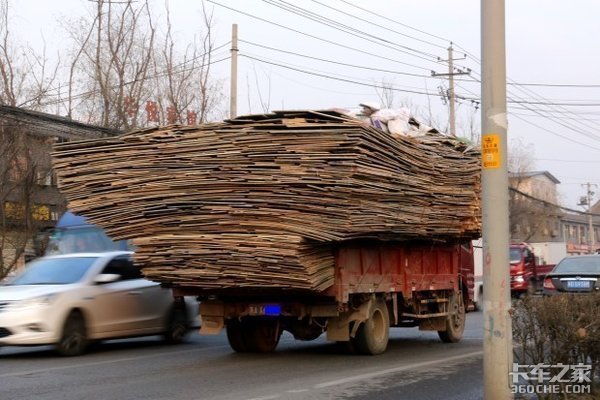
[107, 278]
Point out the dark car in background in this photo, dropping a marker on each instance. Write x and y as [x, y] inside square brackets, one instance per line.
[575, 274]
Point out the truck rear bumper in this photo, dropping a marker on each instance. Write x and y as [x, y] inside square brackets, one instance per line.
[214, 313]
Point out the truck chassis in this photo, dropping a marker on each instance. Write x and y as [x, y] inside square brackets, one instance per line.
[377, 285]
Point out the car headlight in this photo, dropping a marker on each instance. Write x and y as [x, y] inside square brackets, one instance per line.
[40, 301]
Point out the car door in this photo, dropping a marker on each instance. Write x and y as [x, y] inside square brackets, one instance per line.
[117, 305]
[153, 301]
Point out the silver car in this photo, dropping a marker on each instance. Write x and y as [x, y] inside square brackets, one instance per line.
[73, 300]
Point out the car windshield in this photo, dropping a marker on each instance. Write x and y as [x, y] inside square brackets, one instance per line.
[53, 271]
[80, 240]
[579, 265]
[515, 254]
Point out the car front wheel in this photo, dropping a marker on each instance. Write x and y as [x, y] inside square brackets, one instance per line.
[73, 340]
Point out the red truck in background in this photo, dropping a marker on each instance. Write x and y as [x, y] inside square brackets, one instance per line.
[377, 285]
[529, 264]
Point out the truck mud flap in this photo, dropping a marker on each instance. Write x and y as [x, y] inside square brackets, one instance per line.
[213, 318]
[338, 328]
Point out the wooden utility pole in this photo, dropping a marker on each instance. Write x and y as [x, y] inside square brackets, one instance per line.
[451, 97]
[233, 85]
[497, 325]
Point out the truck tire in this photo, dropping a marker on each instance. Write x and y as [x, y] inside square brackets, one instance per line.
[253, 335]
[373, 334]
[262, 336]
[177, 326]
[235, 335]
[455, 323]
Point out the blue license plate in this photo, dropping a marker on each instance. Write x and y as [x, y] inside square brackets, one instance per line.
[578, 284]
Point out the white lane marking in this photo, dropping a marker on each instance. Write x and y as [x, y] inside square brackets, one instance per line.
[297, 390]
[119, 360]
[395, 370]
[265, 398]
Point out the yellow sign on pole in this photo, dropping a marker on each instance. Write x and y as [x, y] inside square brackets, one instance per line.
[490, 151]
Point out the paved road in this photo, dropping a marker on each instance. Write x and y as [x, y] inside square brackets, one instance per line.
[416, 366]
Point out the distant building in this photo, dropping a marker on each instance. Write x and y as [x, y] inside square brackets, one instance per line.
[575, 230]
[533, 214]
[30, 202]
[534, 218]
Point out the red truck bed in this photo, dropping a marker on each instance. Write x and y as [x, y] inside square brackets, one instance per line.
[377, 285]
[376, 267]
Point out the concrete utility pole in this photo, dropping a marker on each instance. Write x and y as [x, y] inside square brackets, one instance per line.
[233, 85]
[591, 238]
[451, 96]
[497, 336]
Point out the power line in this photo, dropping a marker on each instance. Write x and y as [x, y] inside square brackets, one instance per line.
[582, 129]
[297, 82]
[350, 79]
[557, 112]
[565, 85]
[547, 203]
[395, 22]
[91, 92]
[569, 161]
[578, 183]
[553, 108]
[391, 72]
[554, 103]
[350, 30]
[555, 120]
[557, 134]
[518, 100]
[515, 99]
[170, 69]
[512, 83]
[339, 79]
[380, 26]
[336, 62]
[316, 37]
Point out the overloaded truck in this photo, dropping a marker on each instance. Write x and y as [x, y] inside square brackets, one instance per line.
[376, 286]
[299, 221]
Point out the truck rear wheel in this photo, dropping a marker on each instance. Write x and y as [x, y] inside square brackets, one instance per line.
[253, 335]
[235, 335]
[455, 323]
[262, 336]
[373, 334]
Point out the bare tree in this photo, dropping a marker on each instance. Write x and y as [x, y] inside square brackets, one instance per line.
[24, 171]
[471, 127]
[185, 90]
[385, 92]
[265, 101]
[111, 63]
[127, 80]
[26, 78]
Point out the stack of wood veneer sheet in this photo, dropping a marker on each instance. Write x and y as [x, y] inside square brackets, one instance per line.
[261, 200]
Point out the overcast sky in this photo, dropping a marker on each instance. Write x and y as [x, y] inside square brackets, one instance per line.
[313, 64]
